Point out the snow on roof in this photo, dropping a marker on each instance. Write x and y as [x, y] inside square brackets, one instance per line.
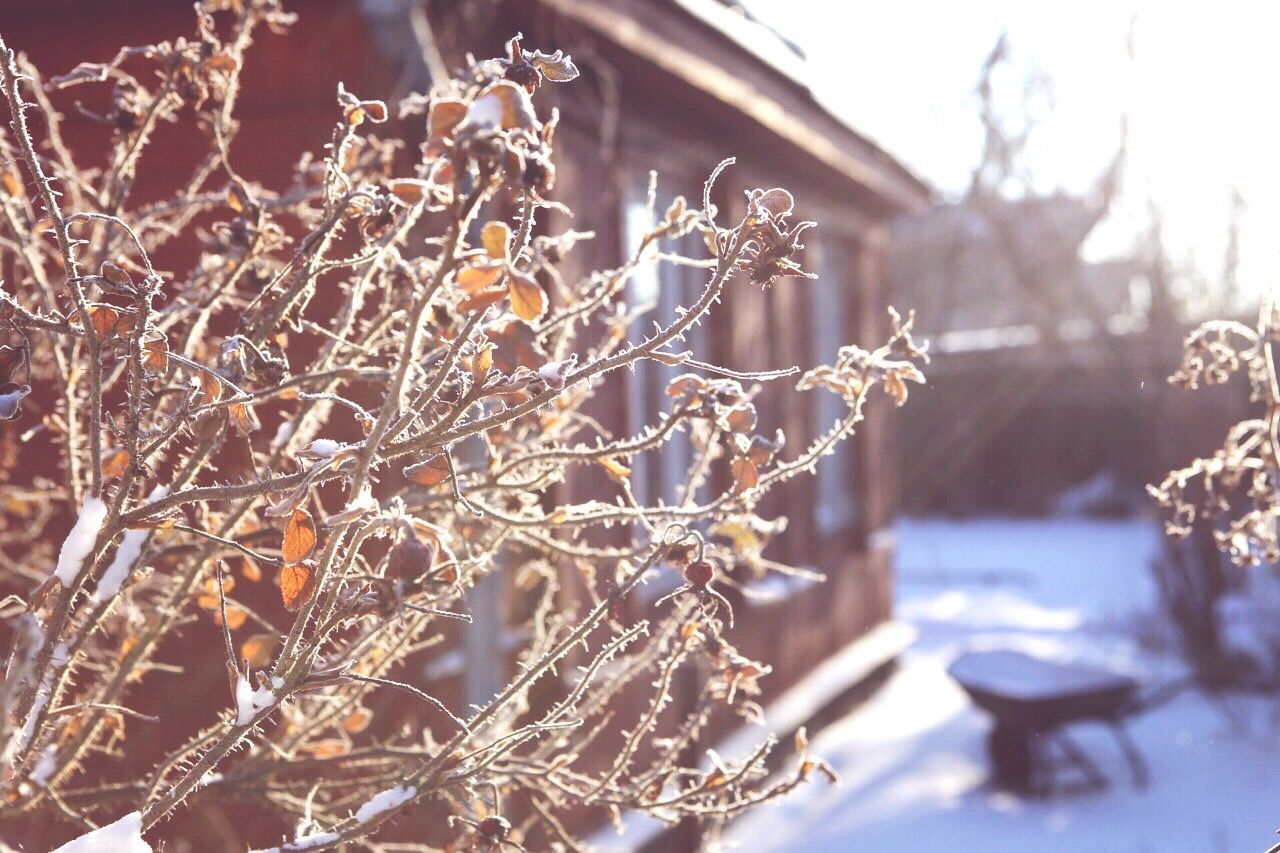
[762, 42]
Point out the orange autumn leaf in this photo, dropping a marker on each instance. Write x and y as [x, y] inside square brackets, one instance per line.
[740, 418]
[235, 617]
[258, 649]
[228, 584]
[474, 279]
[18, 506]
[211, 386]
[432, 472]
[482, 361]
[244, 418]
[12, 184]
[127, 645]
[115, 462]
[358, 721]
[104, 319]
[299, 537]
[495, 237]
[250, 570]
[408, 190]
[895, 388]
[209, 598]
[447, 575]
[615, 469]
[155, 352]
[482, 300]
[297, 585]
[745, 475]
[760, 450]
[445, 115]
[224, 62]
[527, 299]
[124, 324]
[236, 199]
[327, 748]
[515, 345]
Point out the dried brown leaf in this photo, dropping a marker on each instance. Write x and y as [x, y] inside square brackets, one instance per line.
[115, 462]
[476, 278]
[243, 418]
[258, 649]
[297, 585]
[527, 299]
[299, 537]
[155, 352]
[430, 472]
[482, 300]
[496, 238]
[614, 468]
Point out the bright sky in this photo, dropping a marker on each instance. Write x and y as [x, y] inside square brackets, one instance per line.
[1201, 97]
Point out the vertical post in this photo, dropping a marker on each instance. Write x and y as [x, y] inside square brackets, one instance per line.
[485, 672]
[879, 464]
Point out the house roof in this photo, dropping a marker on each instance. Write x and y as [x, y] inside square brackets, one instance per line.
[721, 52]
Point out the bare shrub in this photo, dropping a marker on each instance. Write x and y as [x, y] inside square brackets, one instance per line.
[368, 389]
[1228, 500]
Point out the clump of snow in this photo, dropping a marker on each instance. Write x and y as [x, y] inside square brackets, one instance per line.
[356, 508]
[126, 555]
[283, 433]
[323, 447]
[79, 542]
[385, 801]
[305, 842]
[20, 739]
[554, 372]
[123, 836]
[250, 702]
[29, 639]
[1017, 675]
[45, 766]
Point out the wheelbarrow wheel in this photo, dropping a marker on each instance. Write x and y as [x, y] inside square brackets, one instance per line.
[1012, 757]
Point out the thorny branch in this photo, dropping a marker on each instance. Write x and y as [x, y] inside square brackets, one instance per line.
[368, 390]
[1237, 490]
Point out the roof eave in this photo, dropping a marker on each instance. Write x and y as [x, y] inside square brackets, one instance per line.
[799, 119]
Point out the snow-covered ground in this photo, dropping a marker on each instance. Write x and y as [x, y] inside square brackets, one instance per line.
[913, 757]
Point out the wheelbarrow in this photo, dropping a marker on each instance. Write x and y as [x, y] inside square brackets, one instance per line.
[1032, 700]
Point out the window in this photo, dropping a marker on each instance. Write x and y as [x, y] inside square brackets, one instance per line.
[665, 287]
[658, 475]
[832, 300]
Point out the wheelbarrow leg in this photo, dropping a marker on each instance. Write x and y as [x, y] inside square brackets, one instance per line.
[1013, 757]
[1131, 754]
[1077, 757]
